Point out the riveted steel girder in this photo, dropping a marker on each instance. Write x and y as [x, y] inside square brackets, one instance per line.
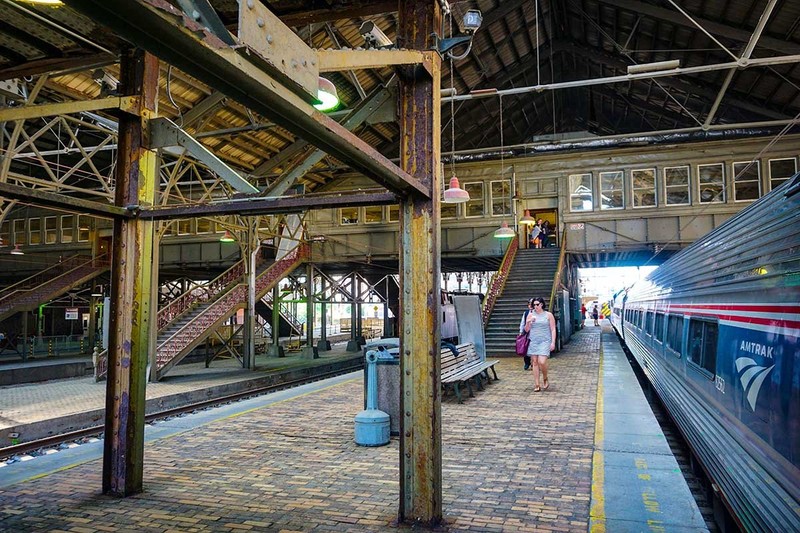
[131, 265]
[166, 32]
[420, 258]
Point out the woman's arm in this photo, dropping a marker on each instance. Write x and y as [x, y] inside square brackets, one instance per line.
[552, 320]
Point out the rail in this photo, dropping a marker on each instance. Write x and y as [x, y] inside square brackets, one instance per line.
[499, 281]
[284, 312]
[67, 266]
[559, 268]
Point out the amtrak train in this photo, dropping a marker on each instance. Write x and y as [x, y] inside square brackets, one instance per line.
[716, 331]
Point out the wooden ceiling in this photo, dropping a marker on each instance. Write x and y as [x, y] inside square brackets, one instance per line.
[521, 43]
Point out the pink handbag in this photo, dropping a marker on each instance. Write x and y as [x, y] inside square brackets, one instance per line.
[522, 344]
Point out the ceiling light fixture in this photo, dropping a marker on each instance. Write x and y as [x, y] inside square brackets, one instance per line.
[654, 67]
[228, 237]
[327, 95]
[54, 3]
[455, 194]
[503, 232]
[527, 219]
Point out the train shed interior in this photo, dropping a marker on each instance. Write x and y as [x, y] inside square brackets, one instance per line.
[175, 184]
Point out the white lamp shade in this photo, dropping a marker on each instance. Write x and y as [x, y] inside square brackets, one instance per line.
[455, 194]
[17, 250]
[227, 237]
[504, 232]
[327, 95]
[527, 219]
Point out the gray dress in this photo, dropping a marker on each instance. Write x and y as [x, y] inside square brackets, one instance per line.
[539, 334]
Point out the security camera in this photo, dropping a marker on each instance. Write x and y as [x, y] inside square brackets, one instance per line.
[373, 35]
[471, 21]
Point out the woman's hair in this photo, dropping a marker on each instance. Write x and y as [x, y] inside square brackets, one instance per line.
[544, 302]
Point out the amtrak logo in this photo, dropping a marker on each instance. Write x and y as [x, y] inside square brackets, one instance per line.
[752, 377]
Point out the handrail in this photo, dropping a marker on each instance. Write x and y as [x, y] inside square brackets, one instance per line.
[283, 311]
[499, 281]
[202, 293]
[45, 276]
[557, 279]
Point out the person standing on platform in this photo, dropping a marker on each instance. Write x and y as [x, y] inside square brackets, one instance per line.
[541, 328]
[544, 236]
[583, 315]
[534, 238]
[595, 316]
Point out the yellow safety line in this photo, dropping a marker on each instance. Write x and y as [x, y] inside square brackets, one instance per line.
[597, 514]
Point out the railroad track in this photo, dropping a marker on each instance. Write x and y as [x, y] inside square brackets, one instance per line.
[82, 435]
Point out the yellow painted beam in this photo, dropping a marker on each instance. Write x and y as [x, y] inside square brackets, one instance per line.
[340, 60]
[8, 114]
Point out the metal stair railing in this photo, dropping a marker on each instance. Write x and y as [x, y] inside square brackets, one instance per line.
[73, 268]
[559, 268]
[284, 312]
[499, 281]
[180, 341]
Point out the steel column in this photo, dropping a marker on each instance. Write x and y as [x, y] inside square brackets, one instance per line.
[309, 350]
[123, 456]
[250, 251]
[420, 367]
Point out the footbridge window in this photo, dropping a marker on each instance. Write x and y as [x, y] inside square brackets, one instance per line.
[703, 344]
[712, 183]
[676, 185]
[475, 206]
[644, 187]
[580, 192]
[780, 170]
[501, 197]
[612, 190]
[746, 181]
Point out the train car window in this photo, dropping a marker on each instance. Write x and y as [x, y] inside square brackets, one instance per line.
[474, 206]
[580, 192]
[746, 181]
[649, 323]
[675, 333]
[781, 170]
[703, 344]
[676, 185]
[711, 181]
[612, 190]
[659, 333]
[500, 192]
[644, 187]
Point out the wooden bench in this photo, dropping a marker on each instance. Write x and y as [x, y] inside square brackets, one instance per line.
[464, 367]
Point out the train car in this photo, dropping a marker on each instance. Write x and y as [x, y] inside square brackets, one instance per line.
[715, 329]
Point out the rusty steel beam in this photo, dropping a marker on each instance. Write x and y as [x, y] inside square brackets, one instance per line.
[62, 202]
[270, 206]
[420, 265]
[131, 263]
[166, 32]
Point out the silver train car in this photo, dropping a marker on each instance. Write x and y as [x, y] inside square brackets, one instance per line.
[715, 329]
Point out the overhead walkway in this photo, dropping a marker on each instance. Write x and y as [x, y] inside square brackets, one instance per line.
[50, 283]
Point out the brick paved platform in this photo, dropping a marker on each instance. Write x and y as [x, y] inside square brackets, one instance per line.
[514, 460]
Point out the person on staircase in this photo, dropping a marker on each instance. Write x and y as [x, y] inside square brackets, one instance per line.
[541, 328]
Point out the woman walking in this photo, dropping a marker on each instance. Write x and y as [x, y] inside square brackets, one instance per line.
[541, 328]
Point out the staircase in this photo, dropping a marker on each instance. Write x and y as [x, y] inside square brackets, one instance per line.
[181, 336]
[531, 275]
[50, 283]
[288, 323]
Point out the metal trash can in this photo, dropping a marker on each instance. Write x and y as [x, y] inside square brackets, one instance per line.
[388, 378]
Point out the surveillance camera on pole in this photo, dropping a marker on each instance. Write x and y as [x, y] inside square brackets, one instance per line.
[374, 36]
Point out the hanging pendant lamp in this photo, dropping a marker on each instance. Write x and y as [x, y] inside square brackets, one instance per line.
[504, 232]
[527, 219]
[455, 194]
[228, 237]
[327, 95]
[17, 250]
